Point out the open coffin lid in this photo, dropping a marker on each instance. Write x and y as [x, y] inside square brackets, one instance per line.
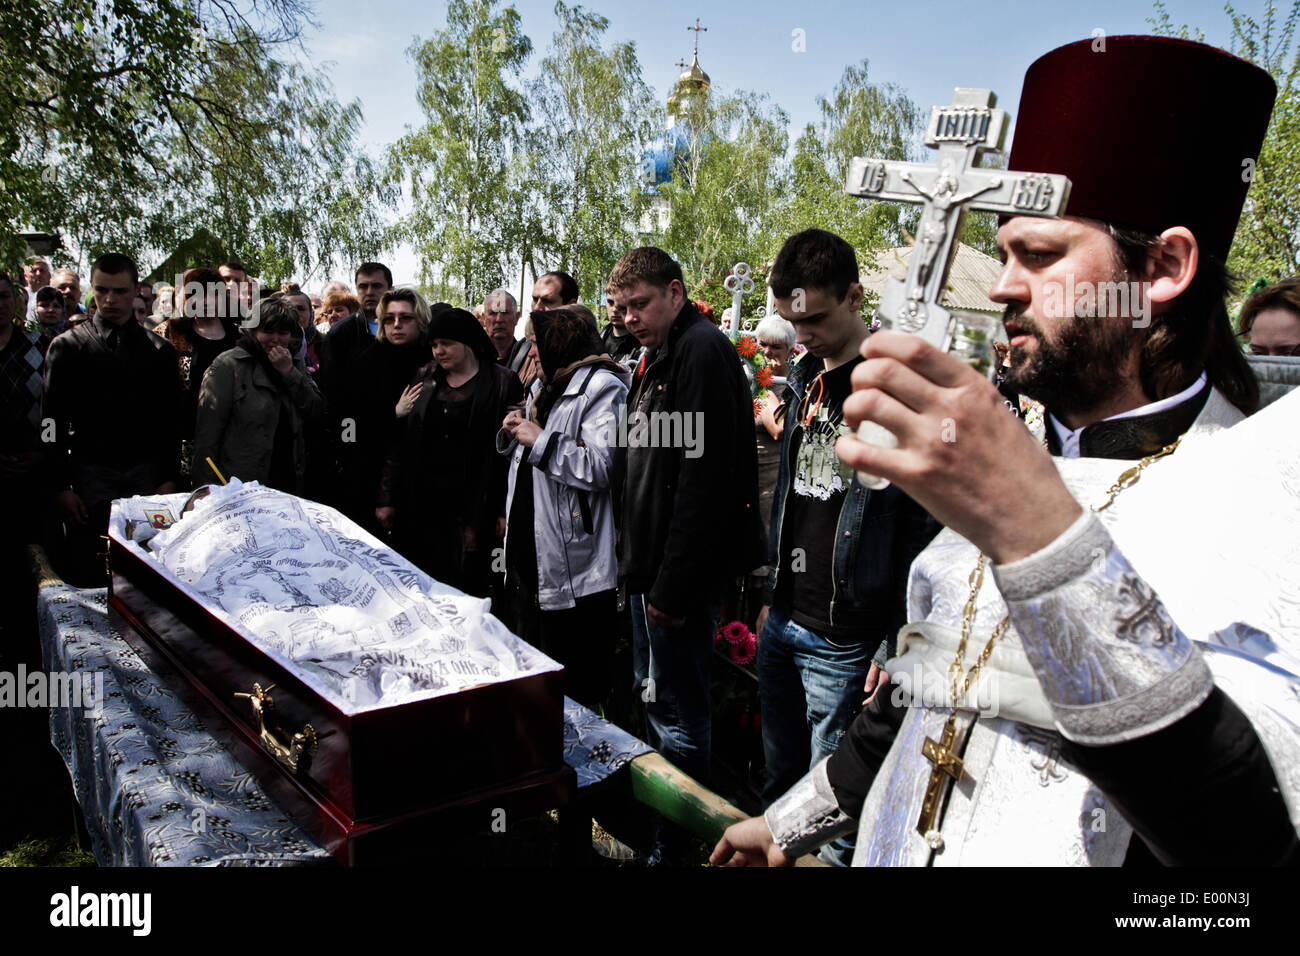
[392, 693]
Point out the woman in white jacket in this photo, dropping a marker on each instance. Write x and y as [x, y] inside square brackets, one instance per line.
[561, 572]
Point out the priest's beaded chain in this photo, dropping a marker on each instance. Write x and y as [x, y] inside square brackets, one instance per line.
[955, 669]
[1131, 476]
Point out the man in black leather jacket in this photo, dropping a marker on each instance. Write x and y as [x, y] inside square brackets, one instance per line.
[690, 498]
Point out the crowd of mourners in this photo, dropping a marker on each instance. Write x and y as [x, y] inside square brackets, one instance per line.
[590, 481]
[421, 422]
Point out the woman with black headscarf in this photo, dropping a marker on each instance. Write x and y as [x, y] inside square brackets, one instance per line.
[561, 571]
[442, 492]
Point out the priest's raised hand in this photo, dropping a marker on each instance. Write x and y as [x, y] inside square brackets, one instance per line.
[960, 455]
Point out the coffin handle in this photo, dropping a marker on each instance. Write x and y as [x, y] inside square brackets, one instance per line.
[294, 752]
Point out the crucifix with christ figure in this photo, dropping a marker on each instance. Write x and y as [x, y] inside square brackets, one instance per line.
[943, 754]
[962, 131]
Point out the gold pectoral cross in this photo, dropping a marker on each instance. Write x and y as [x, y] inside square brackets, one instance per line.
[946, 763]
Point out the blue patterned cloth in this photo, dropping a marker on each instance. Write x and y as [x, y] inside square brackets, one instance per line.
[594, 747]
[156, 789]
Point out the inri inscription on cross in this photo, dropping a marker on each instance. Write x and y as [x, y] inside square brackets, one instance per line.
[962, 132]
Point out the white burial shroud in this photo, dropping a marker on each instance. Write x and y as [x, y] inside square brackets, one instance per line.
[356, 620]
[1215, 530]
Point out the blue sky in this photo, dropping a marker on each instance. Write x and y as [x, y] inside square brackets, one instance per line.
[927, 48]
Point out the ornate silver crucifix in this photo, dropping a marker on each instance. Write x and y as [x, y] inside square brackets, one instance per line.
[962, 132]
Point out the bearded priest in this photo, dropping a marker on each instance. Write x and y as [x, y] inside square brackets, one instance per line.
[1124, 689]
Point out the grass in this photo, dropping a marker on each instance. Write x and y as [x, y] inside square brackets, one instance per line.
[47, 851]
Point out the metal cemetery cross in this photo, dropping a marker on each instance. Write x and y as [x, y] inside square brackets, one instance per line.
[961, 131]
[739, 284]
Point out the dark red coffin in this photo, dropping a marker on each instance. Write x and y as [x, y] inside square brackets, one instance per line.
[381, 782]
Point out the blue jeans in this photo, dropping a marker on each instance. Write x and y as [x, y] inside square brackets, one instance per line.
[671, 667]
[811, 690]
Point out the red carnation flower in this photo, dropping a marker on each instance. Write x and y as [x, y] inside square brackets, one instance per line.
[765, 377]
[758, 408]
[738, 641]
[747, 346]
[735, 632]
[745, 652]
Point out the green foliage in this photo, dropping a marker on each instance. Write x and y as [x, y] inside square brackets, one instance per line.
[292, 196]
[722, 201]
[1162, 24]
[146, 128]
[200, 247]
[438, 290]
[859, 118]
[736, 197]
[465, 199]
[73, 79]
[1267, 242]
[129, 125]
[47, 852]
[593, 113]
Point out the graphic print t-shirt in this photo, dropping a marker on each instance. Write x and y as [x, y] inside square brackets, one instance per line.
[819, 481]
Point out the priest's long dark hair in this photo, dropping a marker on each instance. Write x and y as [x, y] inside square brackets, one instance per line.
[1196, 334]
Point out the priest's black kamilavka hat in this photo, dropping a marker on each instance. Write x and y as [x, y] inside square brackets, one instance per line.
[1153, 132]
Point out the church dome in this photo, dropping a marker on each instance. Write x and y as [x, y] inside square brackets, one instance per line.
[695, 78]
[670, 157]
[692, 82]
[671, 153]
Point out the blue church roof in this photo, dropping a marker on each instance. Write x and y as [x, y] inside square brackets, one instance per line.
[670, 153]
